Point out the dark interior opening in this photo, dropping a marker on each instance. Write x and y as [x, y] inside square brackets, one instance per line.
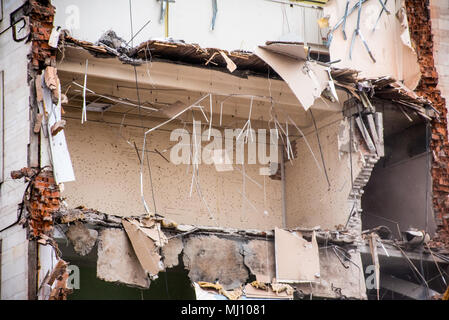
[398, 192]
[173, 284]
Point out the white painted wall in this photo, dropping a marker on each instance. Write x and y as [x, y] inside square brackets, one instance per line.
[240, 24]
[13, 61]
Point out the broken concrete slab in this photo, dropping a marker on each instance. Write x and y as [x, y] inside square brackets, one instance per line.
[82, 238]
[171, 252]
[337, 281]
[209, 258]
[117, 261]
[259, 258]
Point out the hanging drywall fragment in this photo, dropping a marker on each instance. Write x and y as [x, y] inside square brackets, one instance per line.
[154, 232]
[297, 260]
[229, 63]
[117, 261]
[60, 157]
[145, 248]
[54, 37]
[306, 79]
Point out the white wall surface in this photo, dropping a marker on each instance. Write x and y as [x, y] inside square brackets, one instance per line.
[240, 24]
[13, 61]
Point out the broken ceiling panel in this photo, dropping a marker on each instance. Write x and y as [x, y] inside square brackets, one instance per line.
[297, 260]
[306, 79]
[117, 261]
[259, 258]
[209, 258]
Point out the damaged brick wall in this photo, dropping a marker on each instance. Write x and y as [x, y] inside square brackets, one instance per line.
[420, 25]
[42, 200]
[41, 16]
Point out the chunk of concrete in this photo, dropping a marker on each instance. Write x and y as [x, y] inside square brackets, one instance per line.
[82, 238]
[337, 281]
[211, 259]
[117, 261]
[171, 252]
[259, 258]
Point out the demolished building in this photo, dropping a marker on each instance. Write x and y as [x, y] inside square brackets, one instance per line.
[311, 163]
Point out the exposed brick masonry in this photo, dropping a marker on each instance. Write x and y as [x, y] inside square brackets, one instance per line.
[418, 13]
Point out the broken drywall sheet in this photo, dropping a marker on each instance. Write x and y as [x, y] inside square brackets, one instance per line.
[153, 231]
[82, 238]
[144, 247]
[297, 260]
[259, 258]
[60, 157]
[209, 258]
[306, 79]
[171, 252]
[117, 261]
[338, 279]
